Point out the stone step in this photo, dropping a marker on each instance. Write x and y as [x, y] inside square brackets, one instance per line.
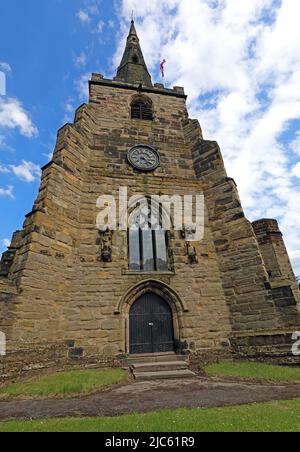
[164, 375]
[159, 366]
[157, 358]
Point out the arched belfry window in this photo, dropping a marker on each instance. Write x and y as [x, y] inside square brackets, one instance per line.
[135, 59]
[147, 240]
[141, 108]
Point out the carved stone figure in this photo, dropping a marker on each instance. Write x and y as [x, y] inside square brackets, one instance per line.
[106, 245]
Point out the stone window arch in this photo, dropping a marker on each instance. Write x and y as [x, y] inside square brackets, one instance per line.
[142, 108]
[148, 243]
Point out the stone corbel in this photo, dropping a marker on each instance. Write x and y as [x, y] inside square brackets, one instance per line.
[106, 245]
[188, 234]
[192, 254]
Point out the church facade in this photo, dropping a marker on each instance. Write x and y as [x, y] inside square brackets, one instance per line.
[71, 292]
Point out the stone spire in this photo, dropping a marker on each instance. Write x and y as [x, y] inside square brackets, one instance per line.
[133, 68]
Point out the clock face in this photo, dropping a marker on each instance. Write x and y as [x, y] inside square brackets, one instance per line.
[144, 158]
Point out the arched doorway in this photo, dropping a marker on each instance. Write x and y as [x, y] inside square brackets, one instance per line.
[151, 325]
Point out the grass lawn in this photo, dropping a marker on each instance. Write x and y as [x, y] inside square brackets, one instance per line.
[269, 417]
[72, 382]
[253, 370]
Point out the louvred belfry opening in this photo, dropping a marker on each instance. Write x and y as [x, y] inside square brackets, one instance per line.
[141, 110]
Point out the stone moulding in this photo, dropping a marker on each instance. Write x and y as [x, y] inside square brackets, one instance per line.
[177, 306]
[144, 89]
[153, 286]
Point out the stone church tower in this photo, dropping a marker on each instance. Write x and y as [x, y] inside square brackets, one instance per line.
[69, 291]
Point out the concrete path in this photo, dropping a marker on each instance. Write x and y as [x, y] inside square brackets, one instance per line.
[149, 396]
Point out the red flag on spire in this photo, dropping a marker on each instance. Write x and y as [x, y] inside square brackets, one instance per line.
[162, 68]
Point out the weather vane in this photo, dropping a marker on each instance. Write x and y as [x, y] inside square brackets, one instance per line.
[132, 16]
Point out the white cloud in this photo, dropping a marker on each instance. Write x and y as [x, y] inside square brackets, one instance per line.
[4, 146]
[49, 146]
[80, 60]
[69, 108]
[5, 243]
[295, 144]
[84, 17]
[7, 192]
[82, 86]
[49, 156]
[4, 169]
[91, 16]
[100, 26]
[93, 6]
[26, 171]
[296, 170]
[295, 256]
[5, 67]
[240, 66]
[13, 116]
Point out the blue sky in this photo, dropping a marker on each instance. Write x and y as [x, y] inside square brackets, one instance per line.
[41, 44]
[240, 67]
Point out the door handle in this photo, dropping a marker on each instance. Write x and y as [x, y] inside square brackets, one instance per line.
[151, 324]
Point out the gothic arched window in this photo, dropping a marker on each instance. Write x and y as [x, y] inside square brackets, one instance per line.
[141, 109]
[148, 246]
